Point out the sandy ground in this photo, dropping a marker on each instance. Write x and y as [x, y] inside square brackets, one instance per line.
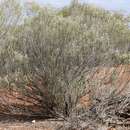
[38, 125]
[46, 125]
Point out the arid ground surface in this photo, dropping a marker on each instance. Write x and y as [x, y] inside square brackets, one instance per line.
[39, 125]
[48, 125]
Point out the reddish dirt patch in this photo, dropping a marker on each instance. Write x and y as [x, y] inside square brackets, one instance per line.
[118, 77]
[106, 78]
[14, 99]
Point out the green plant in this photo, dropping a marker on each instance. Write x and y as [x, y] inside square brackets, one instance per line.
[59, 47]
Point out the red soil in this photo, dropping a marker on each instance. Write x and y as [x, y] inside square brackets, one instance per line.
[117, 78]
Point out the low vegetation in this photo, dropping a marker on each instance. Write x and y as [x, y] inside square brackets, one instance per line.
[45, 53]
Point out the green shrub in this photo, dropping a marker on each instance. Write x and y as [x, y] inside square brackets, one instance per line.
[60, 46]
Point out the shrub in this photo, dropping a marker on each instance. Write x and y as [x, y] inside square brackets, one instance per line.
[58, 47]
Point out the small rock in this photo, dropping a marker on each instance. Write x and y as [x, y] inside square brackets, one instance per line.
[33, 121]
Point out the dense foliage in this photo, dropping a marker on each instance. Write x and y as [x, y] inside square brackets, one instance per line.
[57, 46]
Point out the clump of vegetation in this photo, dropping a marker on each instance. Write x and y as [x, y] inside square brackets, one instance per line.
[52, 49]
[121, 58]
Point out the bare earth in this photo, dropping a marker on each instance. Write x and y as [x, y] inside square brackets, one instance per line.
[40, 125]
[47, 125]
